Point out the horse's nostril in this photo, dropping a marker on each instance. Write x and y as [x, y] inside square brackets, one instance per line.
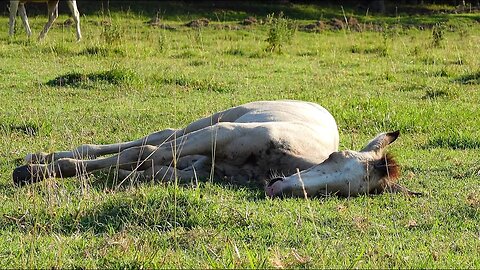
[272, 181]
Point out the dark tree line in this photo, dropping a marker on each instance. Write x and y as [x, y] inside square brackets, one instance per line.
[146, 5]
[380, 5]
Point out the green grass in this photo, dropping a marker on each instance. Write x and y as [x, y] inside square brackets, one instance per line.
[131, 79]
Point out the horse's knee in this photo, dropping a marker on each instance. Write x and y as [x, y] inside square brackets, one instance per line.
[147, 151]
[38, 158]
[67, 167]
[86, 151]
[160, 137]
[137, 158]
[160, 173]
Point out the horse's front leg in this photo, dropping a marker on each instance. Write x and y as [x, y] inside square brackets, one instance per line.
[132, 159]
[199, 170]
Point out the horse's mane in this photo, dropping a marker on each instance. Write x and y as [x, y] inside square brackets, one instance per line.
[388, 170]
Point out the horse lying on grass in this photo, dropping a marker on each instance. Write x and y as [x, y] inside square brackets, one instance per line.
[251, 141]
[52, 16]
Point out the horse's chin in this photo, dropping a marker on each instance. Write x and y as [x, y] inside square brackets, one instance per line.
[273, 189]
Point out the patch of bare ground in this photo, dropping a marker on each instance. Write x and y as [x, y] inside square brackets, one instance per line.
[317, 26]
[227, 27]
[473, 199]
[351, 23]
[202, 22]
[249, 21]
[157, 23]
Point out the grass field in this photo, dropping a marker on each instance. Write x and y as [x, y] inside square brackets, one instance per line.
[127, 79]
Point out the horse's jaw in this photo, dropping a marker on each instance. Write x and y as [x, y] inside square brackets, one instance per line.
[346, 173]
[345, 178]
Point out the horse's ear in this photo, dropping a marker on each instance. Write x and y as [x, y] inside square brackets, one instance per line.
[381, 141]
[397, 188]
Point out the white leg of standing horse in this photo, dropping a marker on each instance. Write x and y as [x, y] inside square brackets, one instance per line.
[23, 14]
[52, 16]
[13, 15]
[72, 4]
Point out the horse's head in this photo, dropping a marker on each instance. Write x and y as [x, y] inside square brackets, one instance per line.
[346, 173]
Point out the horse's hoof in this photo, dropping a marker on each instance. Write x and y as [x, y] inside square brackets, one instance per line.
[22, 176]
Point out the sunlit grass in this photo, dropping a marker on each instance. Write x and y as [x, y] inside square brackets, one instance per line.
[141, 79]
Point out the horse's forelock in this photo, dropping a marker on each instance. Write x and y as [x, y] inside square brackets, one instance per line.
[388, 170]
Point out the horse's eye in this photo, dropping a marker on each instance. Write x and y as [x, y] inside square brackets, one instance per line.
[274, 180]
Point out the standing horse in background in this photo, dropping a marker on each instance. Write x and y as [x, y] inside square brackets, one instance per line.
[52, 16]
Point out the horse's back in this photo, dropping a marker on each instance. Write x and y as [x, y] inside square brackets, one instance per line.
[288, 111]
[299, 112]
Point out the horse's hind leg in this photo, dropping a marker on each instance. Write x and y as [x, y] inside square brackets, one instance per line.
[23, 14]
[134, 159]
[91, 151]
[72, 4]
[200, 142]
[52, 16]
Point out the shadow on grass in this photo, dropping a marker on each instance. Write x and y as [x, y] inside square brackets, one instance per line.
[473, 78]
[163, 210]
[29, 129]
[157, 208]
[107, 180]
[161, 207]
[115, 76]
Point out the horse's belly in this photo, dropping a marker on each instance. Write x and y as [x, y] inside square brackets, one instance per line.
[262, 165]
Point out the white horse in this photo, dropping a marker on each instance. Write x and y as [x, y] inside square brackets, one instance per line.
[253, 141]
[52, 16]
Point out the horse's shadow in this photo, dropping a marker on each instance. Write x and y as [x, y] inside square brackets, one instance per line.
[170, 204]
[166, 205]
[107, 180]
[163, 206]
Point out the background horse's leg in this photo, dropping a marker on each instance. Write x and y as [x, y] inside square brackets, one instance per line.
[13, 15]
[52, 16]
[23, 14]
[72, 4]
